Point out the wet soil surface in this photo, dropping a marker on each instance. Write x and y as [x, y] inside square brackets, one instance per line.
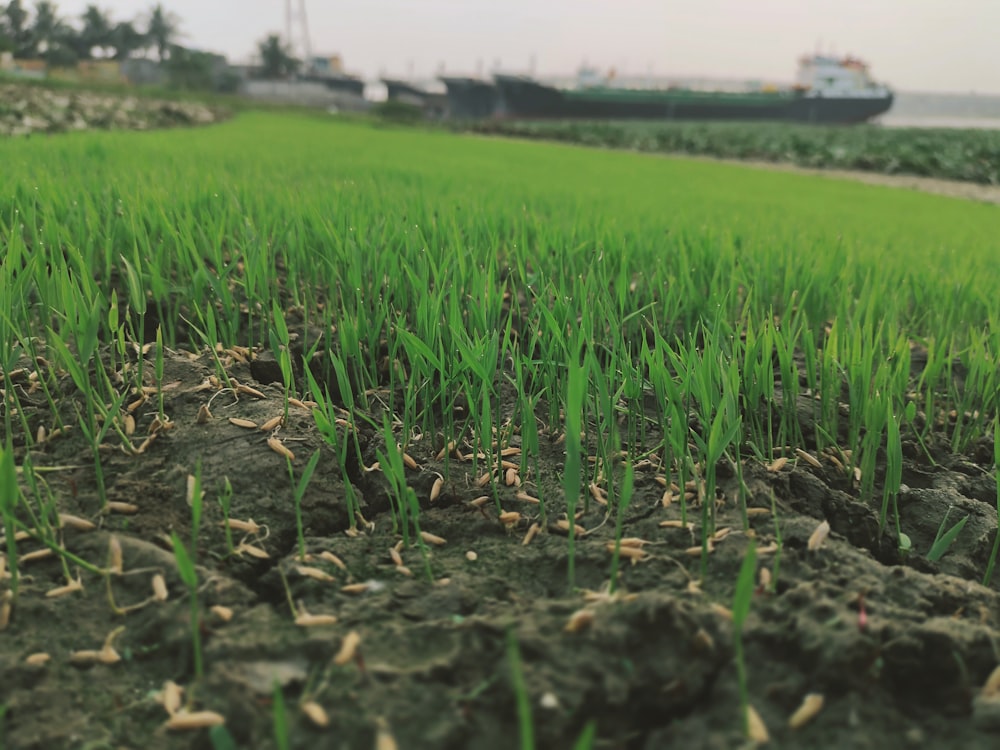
[897, 646]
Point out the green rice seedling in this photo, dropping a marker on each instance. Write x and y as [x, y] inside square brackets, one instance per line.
[10, 499]
[525, 722]
[279, 718]
[414, 508]
[225, 499]
[280, 343]
[300, 491]
[391, 462]
[893, 477]
[587, 736]
[944, 539]
[158, 368]
[624, 498]
[988, 576]
[572, 481]
[742, 598]
[221, 738]
[185, 567]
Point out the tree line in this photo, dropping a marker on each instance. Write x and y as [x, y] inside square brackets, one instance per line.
[43, 34]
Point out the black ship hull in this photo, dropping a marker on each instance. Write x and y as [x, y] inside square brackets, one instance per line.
[471, 98]
[526, 98]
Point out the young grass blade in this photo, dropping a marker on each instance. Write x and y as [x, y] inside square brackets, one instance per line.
[524, 721]
[10, 495]
[944, 539]
[741, 608]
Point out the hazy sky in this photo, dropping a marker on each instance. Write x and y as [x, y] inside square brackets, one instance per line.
[914, 45]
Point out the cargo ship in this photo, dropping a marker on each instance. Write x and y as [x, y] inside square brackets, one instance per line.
[827, 90]
[471, 98]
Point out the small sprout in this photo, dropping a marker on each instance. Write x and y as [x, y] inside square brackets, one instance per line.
[316, 714]
[563, 525]
[702, 641]
[278, 447]
[357, 588]
[186, 722]
[599, 495]
[348, 648]
[38, 659]
[525, 497]
[247, 527]
[811, 706]
[69, 588]
[818, 536]
[204, 415]
[272, 423]
[434, 539]
[436, 488]
[225, 614]
[531, 534]
[579, 620]
[777, 464]
[253, 551]
[672, 525]
[248, 424]
[160, 593]
[756, 730]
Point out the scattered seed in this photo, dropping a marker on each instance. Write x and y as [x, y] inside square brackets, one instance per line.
[509, 518]
[115, 564]
[723, 612]
[278, 447]
[204, 415]
[661, 480]
[160, 592]
[818, 536]
[171, 697]
[223, 613]
[751, 512]
[480, 501]
[126, 509]
[525, 497]
[38, 554]
[434, 539]
[272, 423]
[563, 525]
[777, 464]
[75, 522]
[511, 478]
[410, 462]
[702, 641]
[301, 404]
[599, 495]
[579, 620]
[696, 551]
[129, 425]
[6, 605]
[991, 687]
[315, 713]
[531, 534]
[764, 577]
[471, 556]
[307, 620]
[37, 659]
[383, 736]
[356, 588]
[811, 706]
[768, 549]
[183, 721]
[672, 524]
[332, 558]
[756, 729]
[668, 498]
[510, 451]
[40, 434]
[808, 458]
[314, 573]
[436, 488]
[348, 648]
[248, 424]
[397, 559]
[240, 388]
[484, 480]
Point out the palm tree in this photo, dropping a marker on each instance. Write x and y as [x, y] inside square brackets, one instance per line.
[17, 30]
[276, 58]
[125, 39]
[51, 37]
[162, 30]
[96, 32]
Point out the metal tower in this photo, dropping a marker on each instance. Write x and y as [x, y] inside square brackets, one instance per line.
[296, 19]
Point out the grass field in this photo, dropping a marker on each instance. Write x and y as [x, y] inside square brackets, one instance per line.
[556, 435]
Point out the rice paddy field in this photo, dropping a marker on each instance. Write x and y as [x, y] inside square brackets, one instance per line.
[322, 434]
